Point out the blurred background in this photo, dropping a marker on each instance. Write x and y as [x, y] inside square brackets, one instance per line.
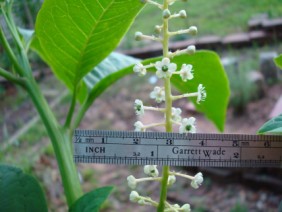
[246, 34]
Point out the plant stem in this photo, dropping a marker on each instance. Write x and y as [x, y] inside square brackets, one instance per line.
[184, 96]
[71, 109]
[168, 101]
[11, 77]
[10, 52]
[60, 142]
[58, 136]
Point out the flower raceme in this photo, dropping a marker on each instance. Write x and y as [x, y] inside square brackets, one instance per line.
[165, 69]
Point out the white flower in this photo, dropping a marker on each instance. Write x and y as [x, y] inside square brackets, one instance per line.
[138, 107]
[201, 93]
[171, 180]
[175, 114]
[197, 181]
[158, 94]
[131, 180]
[139, 126]
[165, 68]
[134, 196]
[151, 170]
[140, 69]
[186, 72]
[186, 208]
[187, 125]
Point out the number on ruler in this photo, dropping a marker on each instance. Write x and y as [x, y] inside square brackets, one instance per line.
[260, 157]
[78, 139]
[169, 141]
[203, 143]
[267, 144]
[136, 154]
[236, 155]
[235, 143]
[136, 140]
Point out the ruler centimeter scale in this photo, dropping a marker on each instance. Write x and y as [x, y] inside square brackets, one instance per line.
[173, 149]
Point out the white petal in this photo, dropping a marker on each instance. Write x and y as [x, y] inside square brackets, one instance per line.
[172, 67]
[159, 65]
[165, 61]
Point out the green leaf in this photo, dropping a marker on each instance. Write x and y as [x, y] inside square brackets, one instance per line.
[207, 71]
[92, 201]
[103, 76]
[278, 61]
[113, 63]
[74, 36]
[273, 126]
[19, 191]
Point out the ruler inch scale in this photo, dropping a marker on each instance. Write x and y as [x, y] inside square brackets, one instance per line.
[174, 149]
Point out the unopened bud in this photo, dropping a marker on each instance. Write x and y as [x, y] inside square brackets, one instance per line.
[182, 14]
[171, 180]
[193, 30]
[141, 202]
[158, 29]
[134, 196]
[166, 13]
[191, 49]
[138, 36]
[186, 208]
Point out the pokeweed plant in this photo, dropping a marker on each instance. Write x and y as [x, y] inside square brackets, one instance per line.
[74, 36]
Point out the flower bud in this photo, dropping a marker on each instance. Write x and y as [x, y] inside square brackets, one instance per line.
[171, 180]
[158, 29]
[131, 180]
[191, 49]
[193, 30]
[166, 13]
[182, 14]
[186, 208]
[134, 196]
[141, 202]
[138, 36]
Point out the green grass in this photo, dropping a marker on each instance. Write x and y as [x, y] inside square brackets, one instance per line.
[216, 17]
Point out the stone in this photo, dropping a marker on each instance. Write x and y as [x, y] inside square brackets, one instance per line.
[268, 67]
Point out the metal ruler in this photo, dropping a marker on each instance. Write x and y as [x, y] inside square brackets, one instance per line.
[173, 149]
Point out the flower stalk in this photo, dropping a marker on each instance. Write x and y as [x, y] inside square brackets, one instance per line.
[165, 70]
